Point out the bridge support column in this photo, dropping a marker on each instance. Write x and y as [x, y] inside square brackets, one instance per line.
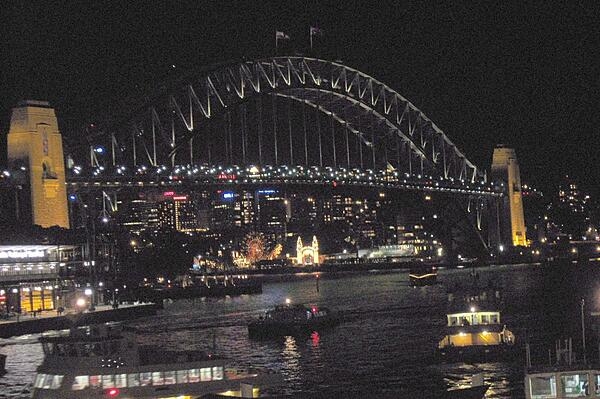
[511, 223]
[34, 142]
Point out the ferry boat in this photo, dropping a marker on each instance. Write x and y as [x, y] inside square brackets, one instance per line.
[422, 275]
[291, 320]
[104, 361]
[476, 335]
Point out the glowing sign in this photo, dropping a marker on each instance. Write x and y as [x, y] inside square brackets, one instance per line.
[169, 193]
[268, 191]
[228, 195]
[226, 176]
[21, 254]
[180, 198]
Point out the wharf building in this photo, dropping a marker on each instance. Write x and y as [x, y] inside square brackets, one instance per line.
[38, 277]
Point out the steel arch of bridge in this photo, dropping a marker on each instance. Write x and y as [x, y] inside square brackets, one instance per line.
[352, 98]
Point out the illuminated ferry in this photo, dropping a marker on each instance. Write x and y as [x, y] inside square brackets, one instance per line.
[420, 276]
[106, 362]
[477, 334]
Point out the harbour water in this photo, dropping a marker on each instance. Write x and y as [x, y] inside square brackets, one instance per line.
[386, 340]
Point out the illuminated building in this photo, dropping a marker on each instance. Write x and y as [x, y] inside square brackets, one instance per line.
[35, 144]
[244, 209]
[510, 228]
[30, 275]
[177, 212]
[307, 255]
[139, 215]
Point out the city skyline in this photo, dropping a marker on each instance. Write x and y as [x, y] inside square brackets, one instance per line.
[486, 75]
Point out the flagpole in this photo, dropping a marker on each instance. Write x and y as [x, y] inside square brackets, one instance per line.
[310, 34]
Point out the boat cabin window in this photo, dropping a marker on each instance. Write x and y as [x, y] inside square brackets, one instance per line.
[95, 381]
[453, 320]
[542, 387]
[48, 381]
[182, 376]
[145, 379]
[158, 378]
[217, 373]
[494, 318]
[81, 382]
[121, 380]
[574, 385]
[205, 374]
[194, 375]
[597, 383]
[133, 380]
[484, 319]
[169, 377]
[108, 381]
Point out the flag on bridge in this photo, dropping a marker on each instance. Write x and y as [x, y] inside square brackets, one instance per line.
[280, 36]
[314, 32]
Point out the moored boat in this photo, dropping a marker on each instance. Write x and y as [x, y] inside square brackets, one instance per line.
[105, 361]
[476, 335]
[292, 320]
[422, 275]
[563, 377]
[2, 363]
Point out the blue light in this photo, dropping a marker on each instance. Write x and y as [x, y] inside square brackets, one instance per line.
[99, 150]
[72, 197]
[227, 195]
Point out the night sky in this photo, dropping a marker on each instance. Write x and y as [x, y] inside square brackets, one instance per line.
[485, 73]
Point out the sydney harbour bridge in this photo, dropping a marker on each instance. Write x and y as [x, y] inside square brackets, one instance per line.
[286, 121]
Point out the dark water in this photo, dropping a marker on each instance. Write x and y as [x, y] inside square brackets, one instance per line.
[387, 338]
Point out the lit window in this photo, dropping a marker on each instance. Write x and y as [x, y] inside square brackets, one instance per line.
[56, 381]
[169, 377]
[108, 381]
[217, 373]
[182, 376]
[121, 380]
[575, 385]
[81, 382]
[194, 375]
[205, 374]
[158, 378]
[95, 381]
[145, 379]
[542, 387]
[133, 380]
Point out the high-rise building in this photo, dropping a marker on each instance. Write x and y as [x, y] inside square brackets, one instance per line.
[177, 212]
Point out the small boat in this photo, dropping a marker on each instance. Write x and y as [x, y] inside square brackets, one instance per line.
[105, 361]
[477, 390]
[2, 364]
[476, 335]
[291, 320]
[422, 275]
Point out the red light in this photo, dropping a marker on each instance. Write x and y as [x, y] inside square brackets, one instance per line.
[314, 309]
[113, 392]
[168, 193]
[334, 184]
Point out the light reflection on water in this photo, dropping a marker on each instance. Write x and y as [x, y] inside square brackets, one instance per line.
[384, 344]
